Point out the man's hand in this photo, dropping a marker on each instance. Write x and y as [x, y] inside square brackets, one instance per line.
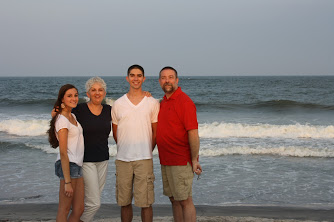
[197, 167]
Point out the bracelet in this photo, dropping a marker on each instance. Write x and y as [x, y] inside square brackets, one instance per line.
[67, 182]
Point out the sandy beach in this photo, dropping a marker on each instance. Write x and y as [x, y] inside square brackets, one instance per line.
[110, 212]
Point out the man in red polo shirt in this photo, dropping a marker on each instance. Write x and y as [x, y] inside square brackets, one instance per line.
[178, 144]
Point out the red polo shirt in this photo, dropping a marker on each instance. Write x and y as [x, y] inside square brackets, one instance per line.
[177, 115]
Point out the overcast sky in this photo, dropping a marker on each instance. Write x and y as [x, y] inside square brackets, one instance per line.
[197, 37]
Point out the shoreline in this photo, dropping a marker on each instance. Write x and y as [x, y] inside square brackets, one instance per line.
[108, 212]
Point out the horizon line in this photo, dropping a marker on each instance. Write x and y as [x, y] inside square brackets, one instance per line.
[278, 75]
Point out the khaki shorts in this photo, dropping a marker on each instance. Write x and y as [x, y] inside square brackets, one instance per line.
[136, 179]
[177, 181]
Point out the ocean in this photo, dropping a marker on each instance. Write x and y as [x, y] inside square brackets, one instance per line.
[264, 140]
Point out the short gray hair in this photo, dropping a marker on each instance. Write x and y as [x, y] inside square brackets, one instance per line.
[90, 82]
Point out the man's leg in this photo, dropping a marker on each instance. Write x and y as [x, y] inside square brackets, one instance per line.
[147, 214]
[124, 186]
[183, 210]
[167, 182]
[177, 210]
[144, 188]
[188, 210]
[179, 185]
[126, 213]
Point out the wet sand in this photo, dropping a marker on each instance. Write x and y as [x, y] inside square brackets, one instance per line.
[111, 212]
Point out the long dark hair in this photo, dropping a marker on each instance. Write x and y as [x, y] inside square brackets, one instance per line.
[57, 106]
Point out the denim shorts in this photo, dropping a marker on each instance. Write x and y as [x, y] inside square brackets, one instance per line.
[75, 170]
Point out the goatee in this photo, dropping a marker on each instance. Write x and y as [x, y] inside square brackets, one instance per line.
[171, 89]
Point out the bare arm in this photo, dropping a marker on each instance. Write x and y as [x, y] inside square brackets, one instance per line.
[194, 150]
[154, 134]
[65, 162]
[114, 132]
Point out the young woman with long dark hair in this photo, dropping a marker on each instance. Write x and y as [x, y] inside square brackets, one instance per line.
[66, 132]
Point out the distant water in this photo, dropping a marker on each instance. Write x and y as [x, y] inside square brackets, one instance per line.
[264, 140]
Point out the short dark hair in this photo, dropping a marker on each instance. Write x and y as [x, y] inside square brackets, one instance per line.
[168, 67]
[135, 66]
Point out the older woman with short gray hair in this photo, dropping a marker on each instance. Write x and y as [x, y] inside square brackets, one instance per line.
[95, 119]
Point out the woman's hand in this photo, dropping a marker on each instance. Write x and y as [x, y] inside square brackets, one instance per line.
[147, 94]
[68, 190]
[54, 112]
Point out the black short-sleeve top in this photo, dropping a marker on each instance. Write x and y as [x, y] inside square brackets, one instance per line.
[96, 130]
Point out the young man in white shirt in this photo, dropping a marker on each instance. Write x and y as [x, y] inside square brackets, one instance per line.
[134, 123]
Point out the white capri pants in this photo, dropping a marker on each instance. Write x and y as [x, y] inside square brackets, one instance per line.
[94, 175]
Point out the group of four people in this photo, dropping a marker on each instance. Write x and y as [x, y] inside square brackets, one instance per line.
[139, 122]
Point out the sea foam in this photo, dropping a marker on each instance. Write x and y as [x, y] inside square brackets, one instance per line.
[224, 130]
[35, 127]
[32, 127]
[293, 151]
[19, 127]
